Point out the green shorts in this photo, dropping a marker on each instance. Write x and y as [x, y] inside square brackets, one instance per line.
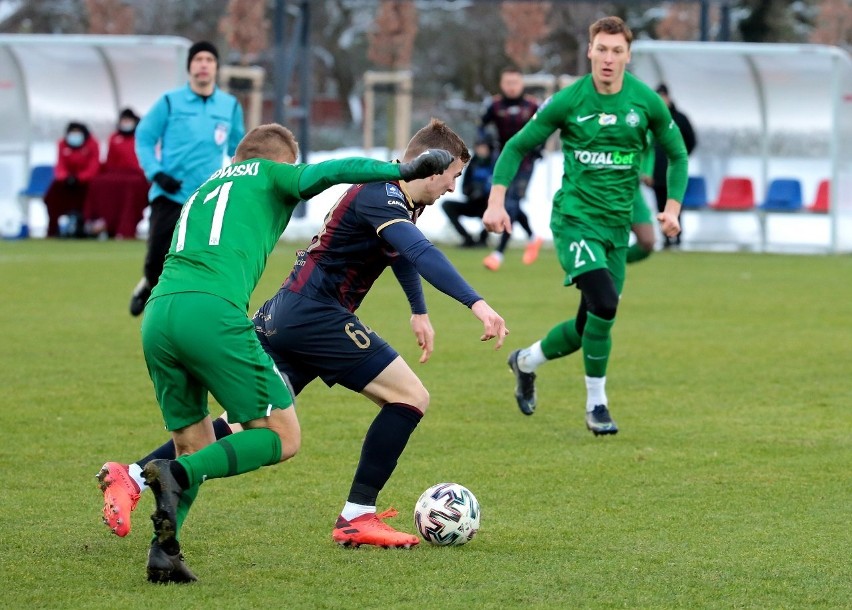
[582, 247]
[196, 342]
[641, 212]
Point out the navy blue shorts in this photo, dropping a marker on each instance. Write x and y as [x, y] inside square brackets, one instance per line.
[309, 339]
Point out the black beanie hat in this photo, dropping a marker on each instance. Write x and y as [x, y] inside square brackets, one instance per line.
[198, 47]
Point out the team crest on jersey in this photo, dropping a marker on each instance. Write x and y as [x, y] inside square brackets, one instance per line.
[632, 118]
[394, 191]
[220, 133]
[607, 119]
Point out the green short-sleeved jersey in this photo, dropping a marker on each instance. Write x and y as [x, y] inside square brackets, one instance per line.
[230, 224]
[603, 137]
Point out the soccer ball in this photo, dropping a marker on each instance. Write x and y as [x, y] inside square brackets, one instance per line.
[447, 514]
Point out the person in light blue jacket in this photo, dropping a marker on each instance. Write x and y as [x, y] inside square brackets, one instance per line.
[180, 142]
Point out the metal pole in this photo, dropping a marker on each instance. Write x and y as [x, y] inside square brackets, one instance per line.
[725, 22]
[305, 81]
[304, 31]
[282, 72]
[705, 21]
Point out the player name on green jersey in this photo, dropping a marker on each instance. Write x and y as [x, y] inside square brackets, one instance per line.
[243, 169]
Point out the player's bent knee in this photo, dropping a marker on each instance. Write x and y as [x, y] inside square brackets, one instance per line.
[285, 424]
[644, 236]
[599, 293]
[422, 402]
[605, 309]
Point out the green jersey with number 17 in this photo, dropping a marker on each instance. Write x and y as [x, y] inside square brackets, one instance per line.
[603, 137]
[230, 225]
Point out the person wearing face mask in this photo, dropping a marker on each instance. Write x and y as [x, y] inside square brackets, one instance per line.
[180, 142]
[121, 148]
[78, 162]
[118, 195]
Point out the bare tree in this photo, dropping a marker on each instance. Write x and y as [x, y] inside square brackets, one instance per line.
[58, 17]
[833, 23]
[526, 25]
[392, 39]
[246, 28]
[681, 22]
[569, 40]
[765, 21]
[193, 19]
[110, 17]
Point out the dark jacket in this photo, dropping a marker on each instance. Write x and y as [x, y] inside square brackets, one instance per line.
[661, 162]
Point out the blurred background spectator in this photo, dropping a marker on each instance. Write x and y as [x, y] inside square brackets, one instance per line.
[78, 162]
[118, 195]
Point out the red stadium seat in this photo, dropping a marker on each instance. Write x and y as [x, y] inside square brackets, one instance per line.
[820, 204]
[735, 194]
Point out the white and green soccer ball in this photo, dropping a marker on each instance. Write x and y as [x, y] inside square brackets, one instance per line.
[447, 514]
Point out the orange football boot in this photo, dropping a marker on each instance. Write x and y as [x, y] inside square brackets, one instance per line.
[121, 493]
[532, 250]
[370, 529]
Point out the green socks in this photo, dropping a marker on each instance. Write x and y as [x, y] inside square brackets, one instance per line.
[236, 454]
[597, 344]
[562, 340]
[636, 253]
[186, 500]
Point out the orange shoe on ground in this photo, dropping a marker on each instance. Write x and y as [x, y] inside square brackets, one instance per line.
[532, 250]
[493, 261]
[370, 529]
[121, 493]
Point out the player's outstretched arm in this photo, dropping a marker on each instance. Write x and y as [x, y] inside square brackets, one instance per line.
[428, 163]
[493, 324]
[313, 178]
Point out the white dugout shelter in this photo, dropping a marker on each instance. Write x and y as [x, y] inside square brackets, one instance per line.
[48, 80]
[763, 111]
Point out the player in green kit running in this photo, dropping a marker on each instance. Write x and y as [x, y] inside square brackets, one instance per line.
[197, 336]
[603, 119]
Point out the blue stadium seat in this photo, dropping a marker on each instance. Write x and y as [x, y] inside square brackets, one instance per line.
[695, 197]
[783, 195]
[40, 178]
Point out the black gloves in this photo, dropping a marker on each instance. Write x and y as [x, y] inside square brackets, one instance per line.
[428, 163]
[167, 183]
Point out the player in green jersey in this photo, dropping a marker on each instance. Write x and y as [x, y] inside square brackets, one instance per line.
[603, 119]
[197, 336]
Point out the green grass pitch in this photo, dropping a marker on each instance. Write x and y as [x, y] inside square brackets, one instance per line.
[727, 487]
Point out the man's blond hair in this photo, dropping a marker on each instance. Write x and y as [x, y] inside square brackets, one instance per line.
[270, 141]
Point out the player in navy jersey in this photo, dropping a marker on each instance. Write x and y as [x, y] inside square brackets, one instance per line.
[196, 336]
[507, 113]
[310, 329]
